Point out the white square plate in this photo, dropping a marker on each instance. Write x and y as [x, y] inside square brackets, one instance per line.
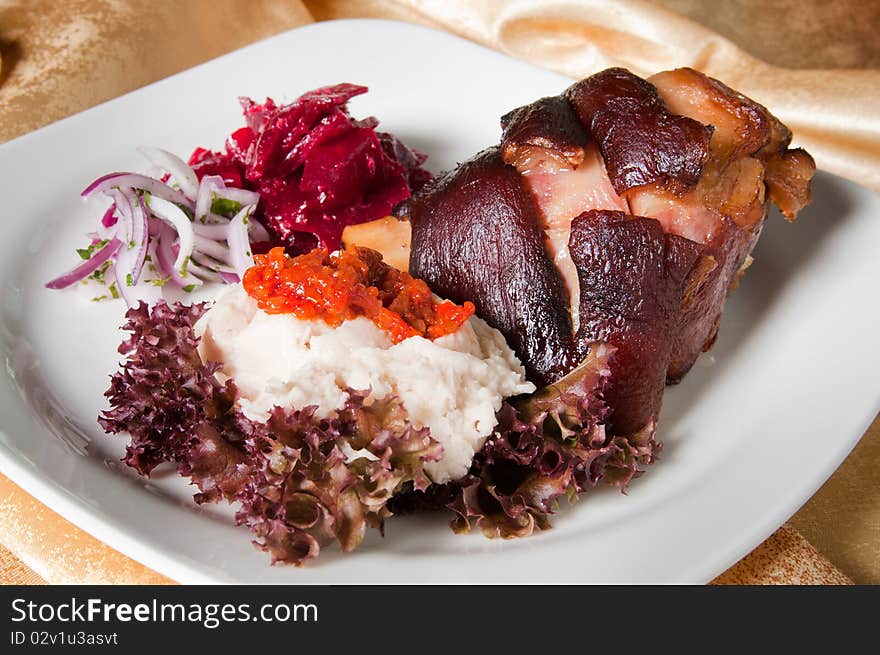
[750, 434]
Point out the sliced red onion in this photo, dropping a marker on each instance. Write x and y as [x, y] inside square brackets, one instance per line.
[123, 267]
[241, 196]
[88, 267]
[153, 255]
[205, 261]
[174, 216]
[132, 228]
[240, 255]
[99, 182]
[257, 232]
[109, 218]
[219, 231]
[107, 225]
[125, 218]
[182, 174]
[139, 234]
[206, 274]
[166, 264]
[210, 184]
[148, 217]
[213, 248]
[155, 226]
[165, 253]
[142, 182]
[133, 293]
[215, 231]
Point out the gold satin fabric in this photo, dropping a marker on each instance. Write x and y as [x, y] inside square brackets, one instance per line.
[81, 52]
[61, 57]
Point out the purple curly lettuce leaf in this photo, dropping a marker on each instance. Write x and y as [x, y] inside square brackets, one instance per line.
[163, 392]
[384, 430]
[301, 481]
[300, 493]
[547, 446]
[305, 492]
[572, 404]
[215, 464]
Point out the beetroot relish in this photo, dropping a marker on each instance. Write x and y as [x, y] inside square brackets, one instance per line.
[348, 284]
[204, 162]
[316, 168]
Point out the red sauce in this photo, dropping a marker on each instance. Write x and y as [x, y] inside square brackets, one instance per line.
[347, 284]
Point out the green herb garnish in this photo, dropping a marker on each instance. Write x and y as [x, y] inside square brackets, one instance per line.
[86, 253]
[98, 275]
[225, 206]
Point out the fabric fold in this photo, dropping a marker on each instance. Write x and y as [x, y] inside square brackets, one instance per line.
[834, 113]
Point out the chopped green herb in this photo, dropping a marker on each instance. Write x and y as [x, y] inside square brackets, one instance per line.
[99, 298]
[159, 281]
[113, 291]
[225, 206]
[131, 244]
[129, 281]
[184, 267]
[189, 288]
[98, 275]
[86, 253]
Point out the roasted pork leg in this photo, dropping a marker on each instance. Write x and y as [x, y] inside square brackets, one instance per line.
[623, 210]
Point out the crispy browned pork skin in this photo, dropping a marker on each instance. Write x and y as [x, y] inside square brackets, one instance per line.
[622, 210]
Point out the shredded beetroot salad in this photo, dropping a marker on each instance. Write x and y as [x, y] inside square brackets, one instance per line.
[316, 168]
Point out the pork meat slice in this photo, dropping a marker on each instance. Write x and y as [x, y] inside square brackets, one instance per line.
[632, 277]
[647, 198]
[478, 234]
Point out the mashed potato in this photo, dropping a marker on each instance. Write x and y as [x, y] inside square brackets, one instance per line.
[453, 385]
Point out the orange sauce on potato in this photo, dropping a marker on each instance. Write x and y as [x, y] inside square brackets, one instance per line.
[347, 284]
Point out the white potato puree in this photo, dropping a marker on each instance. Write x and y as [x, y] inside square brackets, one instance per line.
[453, 385]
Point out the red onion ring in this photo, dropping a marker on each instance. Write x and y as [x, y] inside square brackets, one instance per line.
[88, 267]
[141, 182]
